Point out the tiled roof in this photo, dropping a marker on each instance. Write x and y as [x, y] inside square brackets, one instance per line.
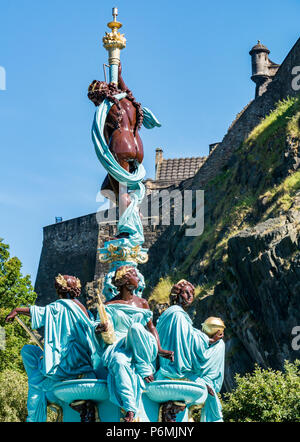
[178, 169]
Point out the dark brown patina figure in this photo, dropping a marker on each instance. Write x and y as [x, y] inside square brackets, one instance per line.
[123, 121]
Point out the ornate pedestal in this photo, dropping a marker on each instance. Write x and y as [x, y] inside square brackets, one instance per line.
[156, 394]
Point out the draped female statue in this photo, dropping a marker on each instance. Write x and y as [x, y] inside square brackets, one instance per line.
[130, 361]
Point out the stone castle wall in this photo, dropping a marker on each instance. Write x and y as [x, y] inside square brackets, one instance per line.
[248, 119]
[71, 248]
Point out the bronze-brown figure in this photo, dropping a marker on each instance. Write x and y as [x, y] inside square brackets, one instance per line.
[121, 128]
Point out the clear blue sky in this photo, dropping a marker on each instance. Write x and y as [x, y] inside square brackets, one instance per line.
[187, 61]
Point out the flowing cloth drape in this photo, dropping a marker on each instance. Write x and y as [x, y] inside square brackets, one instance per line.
[131, 358]
[130, 220]
[71, 349]
[194, 358]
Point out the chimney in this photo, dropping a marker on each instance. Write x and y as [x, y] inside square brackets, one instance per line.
[158, 160]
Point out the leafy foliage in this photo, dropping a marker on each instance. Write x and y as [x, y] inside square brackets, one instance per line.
[265, 395]
[13, 396]
[15, 291]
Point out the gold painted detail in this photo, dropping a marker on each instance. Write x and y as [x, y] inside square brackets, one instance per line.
[62, 281]
[109, 336]
[114, 39]
[116, 253]
[211, 325]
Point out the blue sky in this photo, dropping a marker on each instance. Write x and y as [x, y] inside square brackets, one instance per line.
[187, 61]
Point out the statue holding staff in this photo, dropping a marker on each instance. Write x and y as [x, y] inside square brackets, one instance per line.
[71, 347]
[130, 361]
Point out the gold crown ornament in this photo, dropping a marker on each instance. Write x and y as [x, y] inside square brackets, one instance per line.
[211, 325]
[62, 281]
[122, 272]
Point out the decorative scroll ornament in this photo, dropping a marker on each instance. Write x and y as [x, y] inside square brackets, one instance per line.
[114, 252]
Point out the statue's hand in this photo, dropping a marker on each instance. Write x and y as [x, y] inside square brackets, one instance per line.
[166, 354]
[149, 379]
[11, 316]
[216, 337]
[102, 327]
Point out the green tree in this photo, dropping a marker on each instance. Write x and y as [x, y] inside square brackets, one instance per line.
[15, 291]
[13, 397]
[265, 395]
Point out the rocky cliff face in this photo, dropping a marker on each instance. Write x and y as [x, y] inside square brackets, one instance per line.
[246, 264]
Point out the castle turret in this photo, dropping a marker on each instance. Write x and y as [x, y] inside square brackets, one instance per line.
[263, 69]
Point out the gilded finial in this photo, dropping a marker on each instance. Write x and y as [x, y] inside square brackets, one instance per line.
[113, 39]
[115, 13]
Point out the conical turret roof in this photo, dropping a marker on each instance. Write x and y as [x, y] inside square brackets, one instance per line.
[259, 48]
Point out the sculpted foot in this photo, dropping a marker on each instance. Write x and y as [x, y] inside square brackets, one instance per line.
[149, 378]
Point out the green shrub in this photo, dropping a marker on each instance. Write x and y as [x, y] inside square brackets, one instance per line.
[265, 395]
[15, 291]
[13, 396]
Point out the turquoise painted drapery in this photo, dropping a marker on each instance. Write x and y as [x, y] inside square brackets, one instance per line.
[194, 358]
[131, 358]
[71, 348]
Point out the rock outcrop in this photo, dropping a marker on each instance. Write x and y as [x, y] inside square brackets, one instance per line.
[246, 264]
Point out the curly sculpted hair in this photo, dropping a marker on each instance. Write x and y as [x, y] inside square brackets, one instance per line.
[178, 288]
[100, 90]
[122, 275]
[67, 286]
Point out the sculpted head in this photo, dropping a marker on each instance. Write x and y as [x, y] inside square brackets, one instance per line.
[126, 276]
[67, 286]
[212, 325]
[182, 293]
[99, 90]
